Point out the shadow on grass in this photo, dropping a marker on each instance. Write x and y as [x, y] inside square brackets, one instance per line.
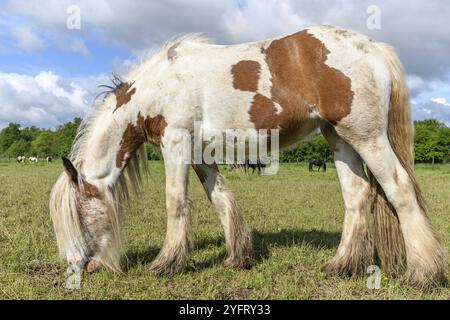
[261, 243]
[136, 257]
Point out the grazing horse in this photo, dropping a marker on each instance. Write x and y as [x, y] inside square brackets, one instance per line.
[318, 163]
[20, 159]
[258, 165]
[33, 159]
[342, 82]
[247, 165]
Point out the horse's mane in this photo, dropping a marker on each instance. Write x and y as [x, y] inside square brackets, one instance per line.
[114, 87]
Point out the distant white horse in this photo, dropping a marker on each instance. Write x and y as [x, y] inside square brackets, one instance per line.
[342, 82]
[33, 159]
[20, 159]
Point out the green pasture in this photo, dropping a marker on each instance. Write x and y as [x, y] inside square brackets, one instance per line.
[295, 216]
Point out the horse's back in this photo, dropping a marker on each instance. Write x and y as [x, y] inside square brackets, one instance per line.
[322, 72]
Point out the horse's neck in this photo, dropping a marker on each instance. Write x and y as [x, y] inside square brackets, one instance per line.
[103, 144]
[103, 155]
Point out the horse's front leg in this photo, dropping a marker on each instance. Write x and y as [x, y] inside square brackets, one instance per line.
[237, 235]
[174, 254]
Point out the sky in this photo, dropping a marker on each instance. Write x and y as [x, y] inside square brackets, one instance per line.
[54, 53]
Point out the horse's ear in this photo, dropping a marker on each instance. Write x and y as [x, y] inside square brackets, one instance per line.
[70, 170]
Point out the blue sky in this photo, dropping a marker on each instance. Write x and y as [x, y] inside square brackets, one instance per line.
[51, 55]
[49, 73]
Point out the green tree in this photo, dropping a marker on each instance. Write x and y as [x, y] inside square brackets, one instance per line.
[18, 148]
[65, 136]
[8, 135]
[315, 147]
[432, 139]
[44, 144]
[29, 133]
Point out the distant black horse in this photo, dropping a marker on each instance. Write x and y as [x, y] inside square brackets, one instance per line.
[319, 163]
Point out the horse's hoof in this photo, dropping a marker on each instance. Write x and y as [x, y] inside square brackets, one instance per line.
[334, 270]
[245, 262]
[168, 267]
[328, 269]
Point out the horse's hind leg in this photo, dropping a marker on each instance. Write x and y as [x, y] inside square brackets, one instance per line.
[355, 251]
[174, 254]
[425, 256]
[237, 235]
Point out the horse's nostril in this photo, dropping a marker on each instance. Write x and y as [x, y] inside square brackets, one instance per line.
[93, 266]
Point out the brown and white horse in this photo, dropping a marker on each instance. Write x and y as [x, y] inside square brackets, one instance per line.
[342, 82]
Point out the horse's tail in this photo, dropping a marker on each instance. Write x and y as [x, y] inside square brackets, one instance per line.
[388, 236]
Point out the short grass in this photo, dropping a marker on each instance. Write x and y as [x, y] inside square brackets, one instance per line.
[296, 218]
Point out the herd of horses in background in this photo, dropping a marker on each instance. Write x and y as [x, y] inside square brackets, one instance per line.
[23, 159]
[259, 165]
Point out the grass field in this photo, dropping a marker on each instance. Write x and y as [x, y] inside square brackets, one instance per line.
[296, 218]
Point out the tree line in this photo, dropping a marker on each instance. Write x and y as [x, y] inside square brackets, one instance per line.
[432, 143]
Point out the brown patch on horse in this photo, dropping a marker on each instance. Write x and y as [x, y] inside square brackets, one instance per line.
[300, 80]
[154, 128]
[123, 94]
[150, 129]
[246, 75]
[91, 191]
[263, 113]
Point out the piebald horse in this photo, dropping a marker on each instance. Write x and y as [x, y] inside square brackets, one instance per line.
[342, 82]
[20, 159]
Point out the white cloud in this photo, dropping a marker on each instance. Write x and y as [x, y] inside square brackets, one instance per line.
[259, 20]
[416, 84]
[73, 44]
[26, 39]
[418, 29]
[431, 110]
[45, 100]
[442, 101]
